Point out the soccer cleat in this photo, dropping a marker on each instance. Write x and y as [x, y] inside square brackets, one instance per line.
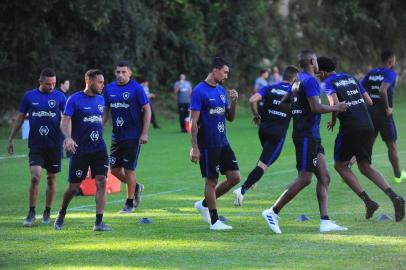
[399, 205]
[398, 180]
[46, 217]
[204, 211]
[101, 227]
[272, 220]
[330, 226]
[30, 219]
[59, 222]
[127, 209]
[371, 207]
[219, 226]
[137, 195]
[238, 197]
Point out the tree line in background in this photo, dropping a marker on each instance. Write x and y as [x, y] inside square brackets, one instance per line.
[163, 38]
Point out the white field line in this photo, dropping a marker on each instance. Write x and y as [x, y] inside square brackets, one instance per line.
[12, 157]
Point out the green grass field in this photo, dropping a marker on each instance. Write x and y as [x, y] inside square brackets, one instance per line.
[179, 239]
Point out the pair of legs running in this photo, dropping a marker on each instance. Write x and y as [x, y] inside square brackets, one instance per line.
[134, 189]
[212, 191]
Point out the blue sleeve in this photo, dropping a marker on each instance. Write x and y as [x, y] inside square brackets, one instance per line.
[70, 107]
[141, 97]
[25, 104]
[361, 88]
[257, 84]
[364, 80]
[390, 77]
[328, 88]
[62, 103]
[106, 97]
[196, 100]
[262, 91]
[311, 87]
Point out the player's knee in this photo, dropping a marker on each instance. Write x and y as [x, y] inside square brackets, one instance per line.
[235, 179]
[305, 180]
[101, 181]
[35, 178]
[364, 168]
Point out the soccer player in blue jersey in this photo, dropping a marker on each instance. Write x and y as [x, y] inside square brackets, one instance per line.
[131, 117]
[306, 111]
[210, 109]
[273, 123]
[44, 107]
[380, 84]
[356, 135]
[82, 126]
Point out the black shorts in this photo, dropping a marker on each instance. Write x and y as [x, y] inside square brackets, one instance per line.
[47, 158]
[358, 144]
[271, 147]
[307, 150]
[217, 160]
[79, 165]
[385, 126]
[124, 154]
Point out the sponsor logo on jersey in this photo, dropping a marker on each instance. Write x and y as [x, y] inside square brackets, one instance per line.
[93, 118]
[119, 105]
[217, 110]
[43, 114]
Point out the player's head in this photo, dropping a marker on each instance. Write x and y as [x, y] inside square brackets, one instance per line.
[219, 69]
[388, 58]
[64, 85]
[326, 66]
[94, 81]
[47, 80]
[182, 77]
[123, 72]
[290, 74]
[308, 60]
[264, 73]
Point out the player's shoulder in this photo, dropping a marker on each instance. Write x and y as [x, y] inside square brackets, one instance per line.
[201, 86]
[31, 92]
[389, 72]
[109, 86]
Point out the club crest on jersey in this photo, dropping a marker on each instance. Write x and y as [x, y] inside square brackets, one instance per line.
[51, 103]
[126, 95]
[223, 98]
[314, 162]
[43, 130]
[79, 173]
[112, 160]
[100, 108]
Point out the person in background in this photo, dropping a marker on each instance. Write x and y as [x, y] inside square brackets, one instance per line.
[183, 89]
[275, 76]
[64, 86]
[151, 96]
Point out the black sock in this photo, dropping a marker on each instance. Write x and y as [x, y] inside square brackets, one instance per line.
[326, 217]
[137, 187]
[62, 211]
[204, 203]
[47, 210]
[364, 196]
[252, 178]
[392, 195]
[275, 210]
[99, 219]
[213, 215]
[32, 209]
[130, 202]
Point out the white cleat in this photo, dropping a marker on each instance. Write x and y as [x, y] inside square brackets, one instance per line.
[204, 211]
[272, 220]
[238, 197]
[330, 226]
[220, 226]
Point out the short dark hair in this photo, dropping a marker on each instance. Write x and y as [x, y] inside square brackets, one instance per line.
[326, 64]
[218, 63]
[262, 71]
[62, 81]
[304, 58]
[124, 63]
[47, 72]
[386, 55]
[92, 73]
[290, 73]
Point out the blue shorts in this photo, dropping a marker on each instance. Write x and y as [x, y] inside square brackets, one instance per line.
[125, 154]
[217, 160]
[307, 150]
[271, 148]
[79, 165]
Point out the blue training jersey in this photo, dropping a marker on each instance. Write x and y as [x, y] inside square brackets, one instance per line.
[126, 102]
[274, 120]
[44, 114]
[305, 122]
[372, 82]
[348, 89]
[86, 113]
[212, 103]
